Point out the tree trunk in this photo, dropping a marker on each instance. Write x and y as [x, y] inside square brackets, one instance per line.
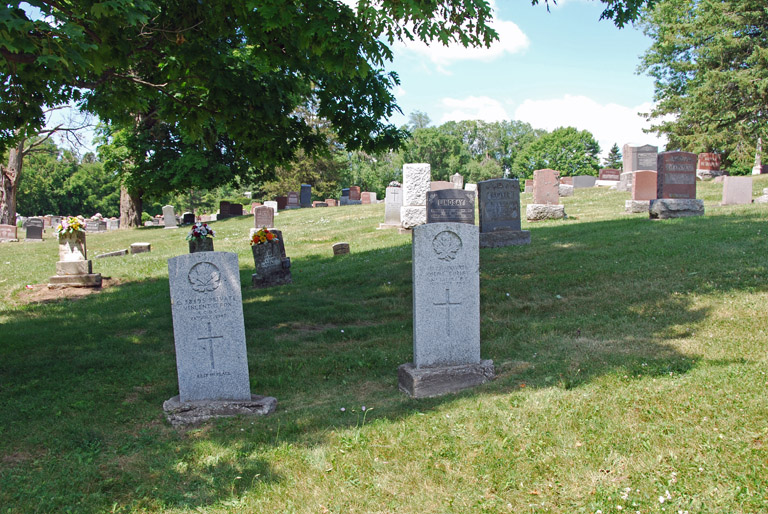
[130, 207]
[10, 177]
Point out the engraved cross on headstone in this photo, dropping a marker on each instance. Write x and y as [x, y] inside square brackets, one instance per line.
[210, 339]
[448, 305]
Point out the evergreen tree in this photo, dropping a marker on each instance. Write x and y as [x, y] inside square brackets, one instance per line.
[614, 159]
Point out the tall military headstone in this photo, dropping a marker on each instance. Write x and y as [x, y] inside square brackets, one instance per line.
[500, 214]
[393, 201]
[416, 179]
[446, 312]
[209, 335]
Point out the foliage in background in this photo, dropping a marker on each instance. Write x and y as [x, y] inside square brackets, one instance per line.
[709, 61]
[565, 149]
[614, 159]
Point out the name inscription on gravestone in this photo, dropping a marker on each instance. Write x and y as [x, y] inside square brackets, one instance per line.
[499, 204]
[451, 206]
[208, 327]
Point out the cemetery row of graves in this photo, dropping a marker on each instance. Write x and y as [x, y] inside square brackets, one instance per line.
[594, 347]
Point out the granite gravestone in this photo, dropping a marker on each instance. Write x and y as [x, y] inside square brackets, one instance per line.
[305, 199]
[35, 228]
[451, 206]
[273, 268]
[169, 217]
[583, 181]
[446, 312]
[643, 191]
[416, 178]
[209, 335]
[272, 205]
[340, 248]
[609, 174]
[568, 181]
[546, 197]
[344, 199]
[439, 185]
[188, 218]
[354, 193]
[500, 214]
[676, 175]
[73, 268]
[264, 216]
[113, 224]
[709, 165]
[457, 180]
[393, 201]
[8, 233]
[224, 208]
[293, 200]
[737, 191]
[528, 186]
[282, 202]
[368, 198]
[639, 157]
[757, 169]
[331, 202]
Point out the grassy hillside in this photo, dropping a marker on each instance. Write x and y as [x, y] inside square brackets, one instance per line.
[631, 362]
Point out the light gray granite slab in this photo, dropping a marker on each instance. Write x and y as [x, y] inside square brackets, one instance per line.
[208, 327]
[169, 217]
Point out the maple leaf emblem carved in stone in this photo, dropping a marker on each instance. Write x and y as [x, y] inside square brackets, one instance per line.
[446, 245]
[204, 276]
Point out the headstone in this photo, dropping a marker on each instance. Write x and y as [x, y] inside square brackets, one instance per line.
[116, 253]
[368, 198]
[272, 205]
[282, 202]
[446, 312]
[528, 186]
[235, 209]
[439, 185]
[393, 201]
[676, 175]
[273, 268]
[305, 199]
[609, 174]
[584, 181]
[169, 218]
[567, 181]
[757, 169]
[55, 220]
[188, 218]
[500, 214]
[457, 180]
[319, 204]
[737, 191]
[223, 210]
[545, 187]
[470, 187]
[709, 165]
[35, 229]
[415, 186]
[8, 233]
[209, 335]
[205, 218]
[112, 224]
[565, 190]
[331, 202]
[293, 200]
[643, 191]
[46, 221]
[73, 268]
[625, 181]
[254, 205]
[340, 248]
[354, 193]
[639, 157]
[451, 206]
[264, 217]
[140, 248]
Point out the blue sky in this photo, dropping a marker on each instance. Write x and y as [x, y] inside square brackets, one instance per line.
[562, 68]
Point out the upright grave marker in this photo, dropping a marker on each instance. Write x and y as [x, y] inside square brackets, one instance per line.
[263, 216]
[35, 228]
[500, 214]
[439, 185]
[293, 200]
[758, 168]
[306, 196]
[416, 179]
[73, 268]
[451, 206]
[709, 165]
[344, 199]
[446, 312]
[8, 233]
[273, 268]
[354, 194]
[676, 187]
[272, 205]
[169, 217]
[393, 201]
[209, 336]
[546, 197]
[737, 191]
[636, 157]
[457, 180]
[643, 191]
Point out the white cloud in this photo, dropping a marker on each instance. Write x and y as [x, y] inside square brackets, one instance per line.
[473, 108]
[609, 123]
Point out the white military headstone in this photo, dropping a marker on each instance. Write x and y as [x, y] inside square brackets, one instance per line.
[169, 217]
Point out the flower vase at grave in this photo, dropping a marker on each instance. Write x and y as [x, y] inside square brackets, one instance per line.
[201, 245]
[72, 246]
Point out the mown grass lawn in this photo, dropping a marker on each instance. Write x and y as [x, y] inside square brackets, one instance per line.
[631, 362]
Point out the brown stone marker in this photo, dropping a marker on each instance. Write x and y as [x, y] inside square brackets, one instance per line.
[439, 185]
[644, 185]
[365, 198]
[331, 202]
[8, 233]
[545, 187]
[354, 192]
[709, 162]
[282, 202]
[293, 200]
[676, 177]
[341, 249]
[567, 181]
[609, 174]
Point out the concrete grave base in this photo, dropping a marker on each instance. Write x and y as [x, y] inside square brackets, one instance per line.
[64, 268]
[502, 238]
[437, 381]
[636, 206]
[666, 208]
[540, 211]
[764, 198]
[565, 190]
[191, 413]
[88, 280]
[708, 174]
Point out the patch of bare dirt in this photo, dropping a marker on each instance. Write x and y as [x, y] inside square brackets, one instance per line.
[41, 293]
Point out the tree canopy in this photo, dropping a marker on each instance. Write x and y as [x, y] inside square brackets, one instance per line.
[709, 61]
[565, 149]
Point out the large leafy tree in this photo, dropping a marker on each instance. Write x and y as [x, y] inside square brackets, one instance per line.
[565, 149]
[709, 60]
[208, 90]
[445, 153]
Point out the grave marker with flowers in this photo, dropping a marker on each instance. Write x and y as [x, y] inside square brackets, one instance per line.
[273, 268]
[73, 268]
[200, 238]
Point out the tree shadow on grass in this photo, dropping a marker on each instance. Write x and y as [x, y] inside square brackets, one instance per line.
[83, 383]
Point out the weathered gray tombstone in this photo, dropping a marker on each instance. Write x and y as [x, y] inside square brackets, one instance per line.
[264, 216]
[500, 214]
[546, 197]
[209, 336]
[306, 196]
[416, 178]
[112, 224]
[393, 201]
[273, 268]
[446, 312]
[439, 185]
[584, 181]
[169, 218]
[73, 268]
[457, 180]
[451, 206]
[293, 200]
[737, 191]
[35, 229]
